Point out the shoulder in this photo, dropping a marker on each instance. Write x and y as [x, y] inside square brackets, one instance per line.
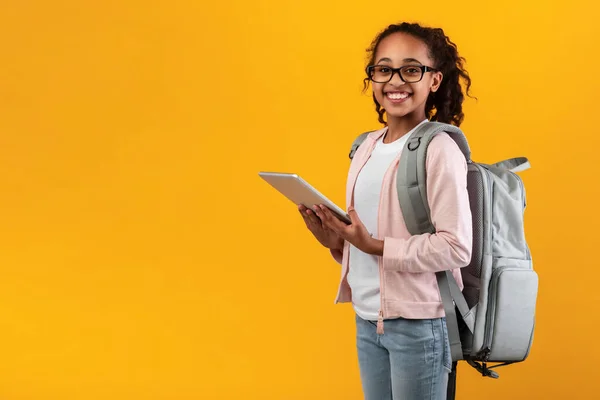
[443, 153]
[442, 142]
[376, 134]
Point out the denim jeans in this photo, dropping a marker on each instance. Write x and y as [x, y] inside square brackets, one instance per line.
[409, 361]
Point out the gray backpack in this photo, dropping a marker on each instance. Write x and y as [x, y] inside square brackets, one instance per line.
[497, 305]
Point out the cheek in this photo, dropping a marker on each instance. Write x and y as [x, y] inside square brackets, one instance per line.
[422, 91]
[378, 91]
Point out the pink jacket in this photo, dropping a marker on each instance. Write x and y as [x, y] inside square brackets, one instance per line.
[407, 269]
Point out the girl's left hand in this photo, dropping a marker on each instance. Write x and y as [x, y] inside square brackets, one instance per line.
[356, 233]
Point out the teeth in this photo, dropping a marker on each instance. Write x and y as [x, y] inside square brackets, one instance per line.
[397, 96]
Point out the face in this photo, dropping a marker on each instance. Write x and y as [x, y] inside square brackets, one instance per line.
[399, 98]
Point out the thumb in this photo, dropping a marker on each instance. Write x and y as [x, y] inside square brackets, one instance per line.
[353, 215]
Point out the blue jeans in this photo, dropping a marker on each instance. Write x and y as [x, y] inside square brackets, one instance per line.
[410, 361]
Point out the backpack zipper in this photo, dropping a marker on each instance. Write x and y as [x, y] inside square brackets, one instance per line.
[485, 351]
[490, 315]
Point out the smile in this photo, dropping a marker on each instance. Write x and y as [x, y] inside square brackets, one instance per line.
[397, 97]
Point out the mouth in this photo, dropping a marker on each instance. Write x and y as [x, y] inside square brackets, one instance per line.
[397, 97]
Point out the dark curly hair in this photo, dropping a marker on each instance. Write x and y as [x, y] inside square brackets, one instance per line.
[445, 105]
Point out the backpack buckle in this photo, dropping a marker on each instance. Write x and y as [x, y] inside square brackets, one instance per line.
[414, 143]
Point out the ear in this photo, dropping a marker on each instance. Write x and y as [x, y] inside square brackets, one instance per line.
[436, 81]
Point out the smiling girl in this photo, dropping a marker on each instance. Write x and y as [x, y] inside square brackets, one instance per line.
[387, 273]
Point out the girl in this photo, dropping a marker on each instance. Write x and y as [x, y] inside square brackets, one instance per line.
[387, 274]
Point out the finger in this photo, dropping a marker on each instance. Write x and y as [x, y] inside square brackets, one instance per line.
[302, 211]
[313, 218]
[311, 221]
[322, 217]
[332, 221]
[311, 225]
[321, 212]
[318, 213]
[353, 216]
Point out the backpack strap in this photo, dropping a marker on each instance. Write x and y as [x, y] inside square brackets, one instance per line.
[412, 194]
[451, 295]
[357, 142]
[411, 180]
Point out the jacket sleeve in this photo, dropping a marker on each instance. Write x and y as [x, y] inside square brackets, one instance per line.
[451, 246]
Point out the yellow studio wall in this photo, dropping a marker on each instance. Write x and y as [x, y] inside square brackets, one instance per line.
[141, 257]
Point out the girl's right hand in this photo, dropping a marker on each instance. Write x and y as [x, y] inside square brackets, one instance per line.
[324, 235]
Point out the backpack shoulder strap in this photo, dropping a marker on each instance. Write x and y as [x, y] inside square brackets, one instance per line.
[412, 179]
[412, 194]
[357, 142]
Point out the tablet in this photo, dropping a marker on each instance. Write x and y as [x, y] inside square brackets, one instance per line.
[299, 192]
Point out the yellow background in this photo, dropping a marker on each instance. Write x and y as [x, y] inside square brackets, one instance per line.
[141, 257]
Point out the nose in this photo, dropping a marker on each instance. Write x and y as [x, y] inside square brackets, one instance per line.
[396, 80]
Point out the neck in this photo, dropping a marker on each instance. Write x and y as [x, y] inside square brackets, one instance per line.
[398, 127]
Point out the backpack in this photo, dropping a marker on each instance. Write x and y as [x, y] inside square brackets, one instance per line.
[497, 305]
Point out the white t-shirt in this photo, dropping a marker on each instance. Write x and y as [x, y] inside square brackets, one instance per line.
[363, 276]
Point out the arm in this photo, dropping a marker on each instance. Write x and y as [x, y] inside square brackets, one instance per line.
[337, 255]
[451, 246]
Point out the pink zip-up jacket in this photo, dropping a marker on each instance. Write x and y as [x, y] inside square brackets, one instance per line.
[407, 268]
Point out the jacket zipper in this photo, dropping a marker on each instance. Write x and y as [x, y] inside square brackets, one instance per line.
[380, 323]
[380, 266]
[381, 316]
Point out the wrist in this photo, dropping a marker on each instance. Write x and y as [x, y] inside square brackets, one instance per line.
[375, 247]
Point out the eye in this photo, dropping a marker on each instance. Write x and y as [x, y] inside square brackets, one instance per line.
[412, 70]
[384, 70]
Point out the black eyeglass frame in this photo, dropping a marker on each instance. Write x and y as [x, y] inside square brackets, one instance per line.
[423, 68]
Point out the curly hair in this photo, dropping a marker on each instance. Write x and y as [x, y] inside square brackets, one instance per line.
[445, 105]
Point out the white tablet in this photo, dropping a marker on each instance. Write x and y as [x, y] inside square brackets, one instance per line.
[301, 192]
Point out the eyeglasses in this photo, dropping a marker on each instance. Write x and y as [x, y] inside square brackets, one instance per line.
[408, 73]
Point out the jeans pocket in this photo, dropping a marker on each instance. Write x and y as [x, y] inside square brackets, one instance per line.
[447, 353]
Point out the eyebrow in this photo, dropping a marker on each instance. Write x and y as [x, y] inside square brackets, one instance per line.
[405, 60]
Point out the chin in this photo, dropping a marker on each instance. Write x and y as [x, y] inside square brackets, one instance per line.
[398, 113]
[400, 110]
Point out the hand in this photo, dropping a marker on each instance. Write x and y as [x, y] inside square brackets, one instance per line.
[324, 235]
[356, 233]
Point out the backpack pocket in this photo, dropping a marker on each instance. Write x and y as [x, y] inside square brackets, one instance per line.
[510, 316]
